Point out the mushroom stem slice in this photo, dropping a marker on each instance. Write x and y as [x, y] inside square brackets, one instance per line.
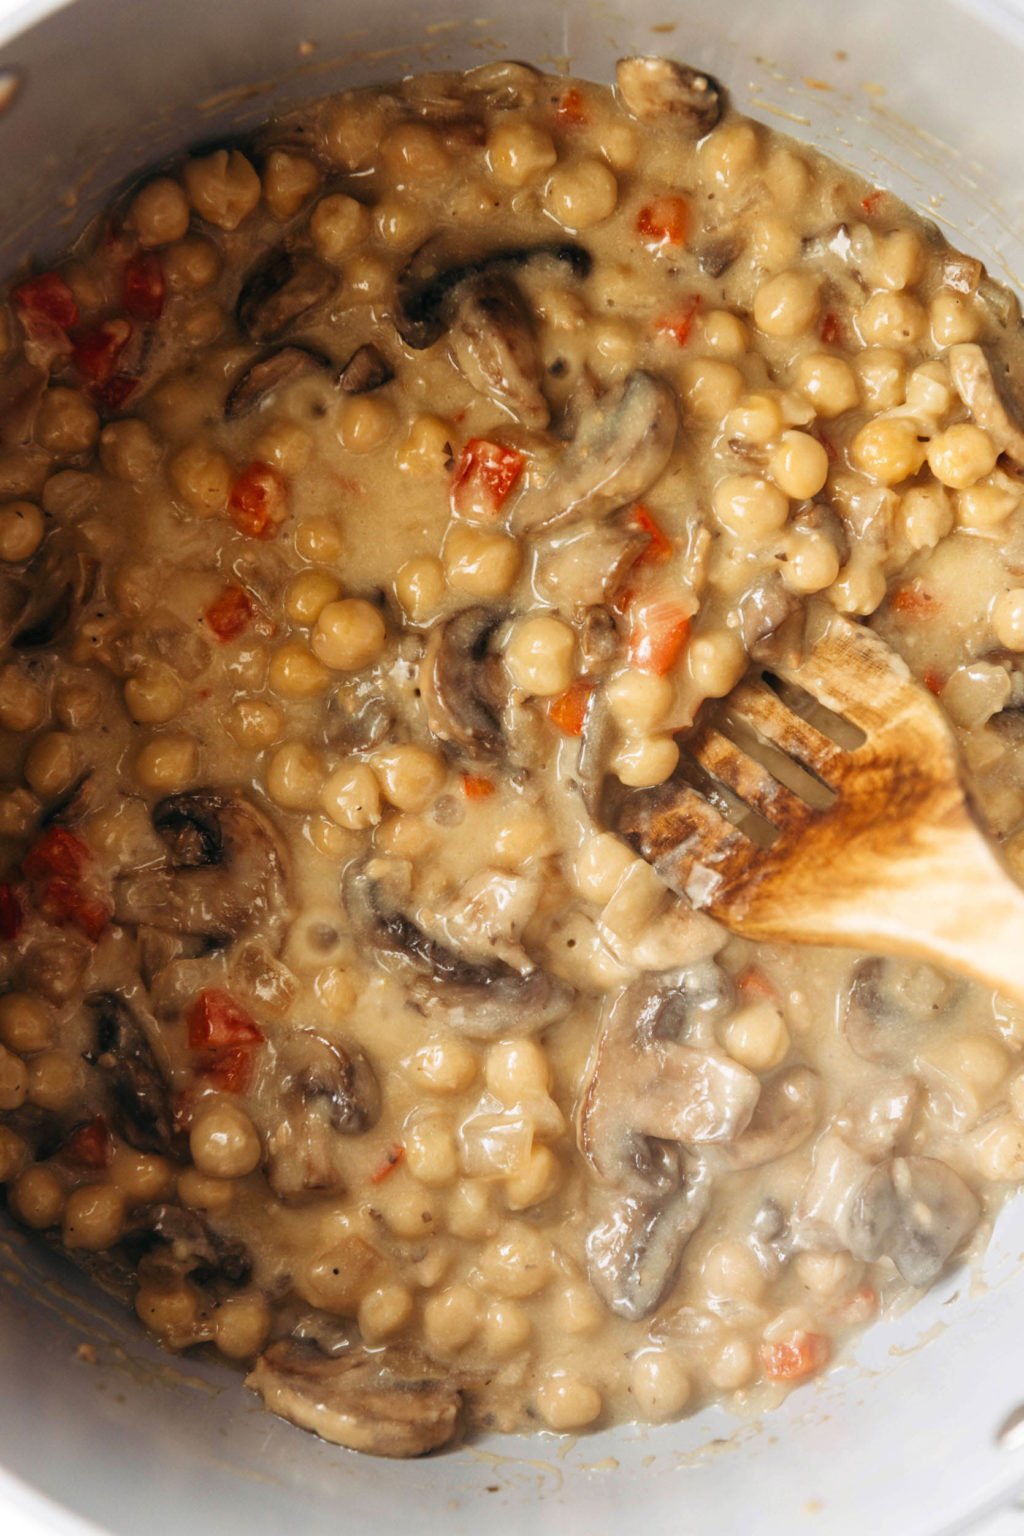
[633, 1255]
[493, 345]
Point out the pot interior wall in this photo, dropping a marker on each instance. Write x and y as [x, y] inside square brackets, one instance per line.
[925, 98]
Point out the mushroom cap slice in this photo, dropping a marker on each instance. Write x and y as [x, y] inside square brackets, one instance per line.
[492, 342]
[388, 1403]
[328, 1091]
[892, 1006]
[915, 1211]
[269, 372]
[622, 444]
[282, 288]
[461, 683]
[367, 369]
[654, 88]
[142, 1111]
[787, 1113]
[633, 1255]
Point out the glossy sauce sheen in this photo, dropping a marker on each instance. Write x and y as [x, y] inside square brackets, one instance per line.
[336, 1019]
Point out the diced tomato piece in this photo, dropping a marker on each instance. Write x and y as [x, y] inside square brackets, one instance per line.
[660, 547]
[664, 221]
[474, 787]
[64, 902]
[45, 303]
[57, 852]
[569, 711]
[753, 982]
[229, 613]
[678, 323]
[915, 601]
[800, 1355]
[11, 916]
[870, 204]
[144, 286]
[112, 395]
[259, 501]
[934, 680]
[96, 352]
[392, 1157]
[830, 330]
[659, 628]
[571, 111]
[484, 478]
[90, 1144]
[230, 1071]
[217, 1023]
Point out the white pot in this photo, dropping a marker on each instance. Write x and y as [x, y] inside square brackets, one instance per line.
[925, 95]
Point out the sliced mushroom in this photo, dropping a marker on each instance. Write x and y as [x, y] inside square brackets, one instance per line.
[762, 612]
[428, 280]
[599, 643]
[141, 1106]
[282, 288]
[190, 1247]
[620, 448]
[597, 742]
[55, 589]
[327, 1091]
[892, 1006]
[492, 342]
[716, 256]
[653, 88]
[359, 715]
[462, 683]
[990, 405]
[385, 1403]
[633, 1255]
[787, 1113]
[915, 1211]
[268, 373]
[225, 873]
[579, 567]
[367, 369]
[479, 1000]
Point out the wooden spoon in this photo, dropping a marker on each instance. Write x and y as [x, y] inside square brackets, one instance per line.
[877, 847]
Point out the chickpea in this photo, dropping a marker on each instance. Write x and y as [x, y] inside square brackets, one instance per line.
[351, 796]
[749, 506]
[639, 701]
[413, 152]
[426, 448]
[37, 1198]
[167, 762]
[352, 132]
[826, 1274]
[288, 181]
[480, 563]
[507, 1328]
[898, 259]
[66, 423]
[339, 224]
[446, 1066]
[926, 514]
[527, 834]
[22, 705]
[787, 305]
[199, 1193]
[724, 333]
[70, 494]
[568, 1402]
[727, 154]
[757, 1037]
[13, 1080]
[54, 1080]
[366, 278]
[828, 383]
[411, 777]
[882, 377]
[518, 1264]
[21, 531]
[539, 655]
[295, 673]
[888, 450]
[405, 836]
[93, 1217]
[202, 478]
[961, 455]
[1008, 619]
[452, 1318]
[773, 242]
[812, 561]
[659, 1384]
[142, 1177]
[153, 695]
[223, 188]
[224, 1143]
[51, 764]
[999, 1150]
[986, 505]
[14, 1154]
[757, 419]
[350, 634]
[129, 451]
[191, 265]
[891, 319]
[710, 387]
[643, 761]
[295, 777]
[533, 1183]
[285, 446]
[581, 195]
[254, 723]
[420, 588]
[600, 865]
[929, 391]
[18, 810]
[799, 465]
[410, 1211]
[241, 1325]
[516, 1070]
[317, 539]
[953, 318]
[383, 1312]
[26, 1022]
[716, 660]
[159, 213]
[365, 422]
[400, 223]
[518, 153]
[308, 594]
[430, 1154]
[734, 1366]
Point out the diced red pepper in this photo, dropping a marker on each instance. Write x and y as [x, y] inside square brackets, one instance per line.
[659, 628]
[90, 1145]
[97, 352]
[11, 916]
[144, 286]
[870, 204]
[569, 711]
[753, 982]
[571, 111]
[229, 613]
[796, 1357]
[664, 221]
[230, 1071]
[934, 680]
[915, 601]
[115, 392]
[217, 1023]
[475, 787]
[483, 479]
[392, 1157]
[678, 323]
[830, 330]
[659, 549]
[57, 852]
[258, 503]
[45, 304]
[65, 903]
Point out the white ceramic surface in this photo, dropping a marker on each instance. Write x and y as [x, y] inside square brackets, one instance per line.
[925, 96]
